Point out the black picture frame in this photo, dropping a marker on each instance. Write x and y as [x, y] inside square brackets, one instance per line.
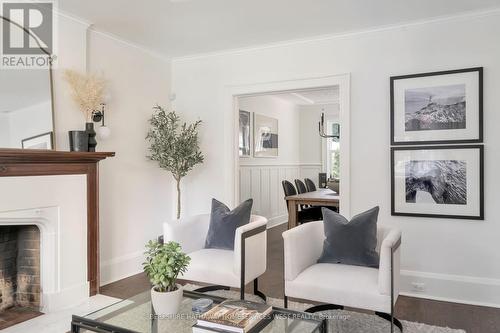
[49, 135]
[448, 72]
[248, 135]
[446, 216]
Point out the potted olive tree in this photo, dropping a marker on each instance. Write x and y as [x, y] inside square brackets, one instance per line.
[174, 146]
[164, 263]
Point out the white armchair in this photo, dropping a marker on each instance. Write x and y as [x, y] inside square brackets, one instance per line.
[222, 268]
[374, 289]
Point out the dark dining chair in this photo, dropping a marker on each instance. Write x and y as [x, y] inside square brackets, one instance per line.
[304, 214]
[310, 185]
[301, 187]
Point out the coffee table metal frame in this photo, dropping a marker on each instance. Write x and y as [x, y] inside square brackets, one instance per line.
[82, 322]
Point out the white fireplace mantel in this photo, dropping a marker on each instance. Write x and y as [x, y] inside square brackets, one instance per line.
[57, 205]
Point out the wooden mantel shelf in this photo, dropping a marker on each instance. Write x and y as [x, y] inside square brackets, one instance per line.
[50, 156]
[30, 162]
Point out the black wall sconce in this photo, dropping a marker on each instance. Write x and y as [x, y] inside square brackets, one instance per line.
[103, 132]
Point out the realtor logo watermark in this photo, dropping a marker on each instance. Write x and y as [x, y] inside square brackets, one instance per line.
[28, 33]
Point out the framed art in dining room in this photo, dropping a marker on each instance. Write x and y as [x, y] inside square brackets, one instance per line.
[438, 181]
[437, 108]
[265, 136]
[244, 136]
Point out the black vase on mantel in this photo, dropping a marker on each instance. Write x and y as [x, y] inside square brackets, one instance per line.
[78, 141]
[89, 128]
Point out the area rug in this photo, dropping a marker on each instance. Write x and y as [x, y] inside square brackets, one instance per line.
[340, 321]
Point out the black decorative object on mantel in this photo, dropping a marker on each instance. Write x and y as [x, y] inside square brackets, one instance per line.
[78, 141]
[89, 128]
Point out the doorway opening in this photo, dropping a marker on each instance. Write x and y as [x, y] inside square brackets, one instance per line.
[278, 138]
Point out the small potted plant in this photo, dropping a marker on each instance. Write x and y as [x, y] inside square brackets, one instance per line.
[164, 262]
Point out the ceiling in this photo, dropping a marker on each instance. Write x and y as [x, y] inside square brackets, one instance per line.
[311, 97]
[176, 28]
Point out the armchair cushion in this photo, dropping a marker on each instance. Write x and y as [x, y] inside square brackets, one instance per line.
[224, 222]
[212, 266]
[352, 286]
[350, 242]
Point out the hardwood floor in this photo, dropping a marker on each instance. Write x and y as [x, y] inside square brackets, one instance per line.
[16, 315]
[473, 319]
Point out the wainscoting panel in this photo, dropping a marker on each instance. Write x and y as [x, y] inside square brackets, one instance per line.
[310, 171]
[263, 184]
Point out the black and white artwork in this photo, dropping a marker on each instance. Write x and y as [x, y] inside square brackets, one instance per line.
[265, 136]
[438, 181]
[441, 107]
[435, 108]
[244, 133]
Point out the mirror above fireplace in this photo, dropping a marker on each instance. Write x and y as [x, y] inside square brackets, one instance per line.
[26, 103]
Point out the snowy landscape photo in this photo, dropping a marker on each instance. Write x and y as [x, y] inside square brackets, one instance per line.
[435, 108]
[439, 182]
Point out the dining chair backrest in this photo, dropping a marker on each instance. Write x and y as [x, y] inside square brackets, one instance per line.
[310, 185]
[301, 187]
[288, 188]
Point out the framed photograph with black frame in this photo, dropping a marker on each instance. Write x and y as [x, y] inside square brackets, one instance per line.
[437, 108]
[244, 134]
[41, 141]
[438, 181]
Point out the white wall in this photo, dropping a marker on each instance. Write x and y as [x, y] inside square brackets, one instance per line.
[457, 259]
[39, 118]
[4, 130]
[136, 195]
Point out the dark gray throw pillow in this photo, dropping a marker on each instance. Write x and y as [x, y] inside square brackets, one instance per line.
[350, 242]
[224, 222]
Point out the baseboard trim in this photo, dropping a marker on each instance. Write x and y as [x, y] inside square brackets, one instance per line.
[65, 298]
[121, 267]
[452, 288]
[448, 300]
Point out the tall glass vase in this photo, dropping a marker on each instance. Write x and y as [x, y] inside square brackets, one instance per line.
[89, 128]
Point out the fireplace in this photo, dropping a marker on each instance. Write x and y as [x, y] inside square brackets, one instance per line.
[53, 240]
[20, 274]
[19, 267]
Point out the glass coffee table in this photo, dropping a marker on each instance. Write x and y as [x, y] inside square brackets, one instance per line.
[135, 315]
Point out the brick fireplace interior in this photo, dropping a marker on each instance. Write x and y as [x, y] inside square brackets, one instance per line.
[19, 274]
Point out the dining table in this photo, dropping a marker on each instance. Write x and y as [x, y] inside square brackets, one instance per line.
[320, 197]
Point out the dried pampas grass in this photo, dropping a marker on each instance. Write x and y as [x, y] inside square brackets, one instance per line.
[87, 91]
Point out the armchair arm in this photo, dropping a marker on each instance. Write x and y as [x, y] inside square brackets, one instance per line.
[189, 232]
[302, 247]
[254, 253]
[389, 267]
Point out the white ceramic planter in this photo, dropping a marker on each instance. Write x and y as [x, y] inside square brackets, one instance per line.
[166, 303]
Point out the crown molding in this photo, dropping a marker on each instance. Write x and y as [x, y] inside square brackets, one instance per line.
[128, 43]
[469, 15]
[92, 29]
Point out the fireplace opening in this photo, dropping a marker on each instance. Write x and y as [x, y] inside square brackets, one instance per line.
[20, 289]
